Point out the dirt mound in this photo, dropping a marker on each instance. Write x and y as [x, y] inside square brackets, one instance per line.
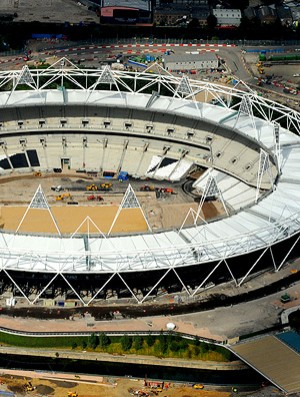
[17, 389]
[44, 389]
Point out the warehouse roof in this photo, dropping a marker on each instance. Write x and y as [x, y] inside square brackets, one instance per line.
[141, 4]
[201, 56]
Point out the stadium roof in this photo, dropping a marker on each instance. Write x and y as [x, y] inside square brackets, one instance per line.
[269, 220]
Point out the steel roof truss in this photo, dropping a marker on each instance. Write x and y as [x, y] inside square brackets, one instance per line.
[75, 292]
[99, 290]
[207, 277]
[252, 267]
[155, 285]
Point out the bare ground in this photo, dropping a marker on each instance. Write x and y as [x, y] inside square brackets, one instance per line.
[120, 387]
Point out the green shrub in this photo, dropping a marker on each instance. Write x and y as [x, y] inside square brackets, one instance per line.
[126, 342]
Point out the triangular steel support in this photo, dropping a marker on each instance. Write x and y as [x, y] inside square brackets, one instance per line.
[156, 68]
[106, 77]
[129, 201]
[246, 109]
[263, 167]
[207, 277]
[195, 217]
[184, 88]
[25, 77]
[211, 190]
[253, 266]
[70, 285]
[233, 278]
[62, 63]
[129, 289]
[45, 288]
[155, 285]
[17, 286]
[288, 253]
[88, 220]
[181, 282]
[39, 201]
[276, 132]
[100, 289]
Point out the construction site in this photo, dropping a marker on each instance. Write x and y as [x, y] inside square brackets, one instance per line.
[13, 383]
[72, 200]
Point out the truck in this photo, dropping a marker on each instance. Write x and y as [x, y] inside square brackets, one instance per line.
[123, 176]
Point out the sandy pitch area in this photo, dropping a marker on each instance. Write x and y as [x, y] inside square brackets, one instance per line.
[70, 219]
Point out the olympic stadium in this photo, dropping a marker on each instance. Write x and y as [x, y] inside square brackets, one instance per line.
[156, 126]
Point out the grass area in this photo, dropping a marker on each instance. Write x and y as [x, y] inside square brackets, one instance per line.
[159, 346]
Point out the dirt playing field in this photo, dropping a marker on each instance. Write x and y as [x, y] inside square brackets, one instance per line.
[59, 385]
[94, 216]
[71, 219]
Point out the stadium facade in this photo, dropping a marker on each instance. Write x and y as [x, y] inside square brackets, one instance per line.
[100, 119]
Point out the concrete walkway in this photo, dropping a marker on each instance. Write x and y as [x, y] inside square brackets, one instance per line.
[219, 324]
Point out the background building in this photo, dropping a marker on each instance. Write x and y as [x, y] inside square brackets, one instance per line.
[126, 12]
[206, 60]
[267, 14]
[230, 17]
[171, 15]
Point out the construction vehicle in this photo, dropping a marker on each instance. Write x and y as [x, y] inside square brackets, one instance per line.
[63, 196]
[168, 190]
[56, 188]
[92, 197]
[28, 385]
[105, 186]
[92, 188]
[147, 188]
[123, 176]
[285, 298]
[72, 394]
[260, 82]
[198, 386]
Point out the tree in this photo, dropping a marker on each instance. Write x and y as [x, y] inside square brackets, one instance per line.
[138, 342]
[211, 21]
[126, 342]
[74, 345]
[163, 344]
[150, 340]
[183, 344]
[84, 344]
[174, 346]
[204, 347]
[193, 24]
[93, 341]
[104, 340]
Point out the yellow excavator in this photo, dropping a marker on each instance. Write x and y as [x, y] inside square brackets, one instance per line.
[63, 196]
[72, 394]
[92, 188]
[28, 385]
